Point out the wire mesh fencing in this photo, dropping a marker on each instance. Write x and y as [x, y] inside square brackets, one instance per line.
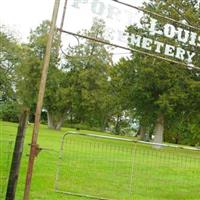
[6, 148]
[115, 168]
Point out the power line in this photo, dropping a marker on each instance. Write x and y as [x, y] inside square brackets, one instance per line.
[127, 48]
[155, 14]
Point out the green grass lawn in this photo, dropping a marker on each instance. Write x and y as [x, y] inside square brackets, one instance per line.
[104, 168]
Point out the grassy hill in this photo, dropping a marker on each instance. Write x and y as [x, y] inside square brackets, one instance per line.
[103, 167]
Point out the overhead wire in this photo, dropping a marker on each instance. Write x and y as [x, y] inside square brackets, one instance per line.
[127, 48]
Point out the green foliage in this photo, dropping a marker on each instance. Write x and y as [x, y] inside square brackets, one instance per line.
[157, 86]
[9, 59]
[29, 70]
[85, 88]
[87, 74]
[9, 111]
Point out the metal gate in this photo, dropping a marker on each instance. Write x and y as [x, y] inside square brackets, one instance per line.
[102, 167]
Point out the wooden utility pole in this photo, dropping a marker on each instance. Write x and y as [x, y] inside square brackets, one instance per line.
[34, 146]
[17, 154]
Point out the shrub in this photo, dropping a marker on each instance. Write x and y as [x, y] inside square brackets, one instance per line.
[9, 112]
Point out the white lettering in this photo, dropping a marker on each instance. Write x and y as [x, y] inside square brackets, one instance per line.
[136, 40]
[190, 56]
[193, 37]
[183, 35]
[180, 53]
[158, 46]
[146, 43]
[169, 50]
[98, 7]
[153, 27]
[113, 13]
[169, 31]
[198, 43]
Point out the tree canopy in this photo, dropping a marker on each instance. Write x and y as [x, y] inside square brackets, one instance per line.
[160, 99]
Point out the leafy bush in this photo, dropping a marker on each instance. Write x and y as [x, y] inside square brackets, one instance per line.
[9, 112]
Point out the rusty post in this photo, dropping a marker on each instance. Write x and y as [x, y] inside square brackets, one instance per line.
[17, 155]
[34, 145]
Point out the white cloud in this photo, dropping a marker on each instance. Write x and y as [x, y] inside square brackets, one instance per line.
[23, 15]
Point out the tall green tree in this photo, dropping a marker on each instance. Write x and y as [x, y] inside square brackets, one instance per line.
[87, 68]
[29, 75]
[161, 90]
[9, 59]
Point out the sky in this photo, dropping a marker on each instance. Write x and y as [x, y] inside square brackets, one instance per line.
[20, 16]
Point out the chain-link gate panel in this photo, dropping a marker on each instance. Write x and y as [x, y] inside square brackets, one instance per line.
[95, 166]
[105, 167]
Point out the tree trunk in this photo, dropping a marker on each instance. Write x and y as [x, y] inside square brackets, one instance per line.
[59, 124]
[159, 129]
[55, 123]
[177, 138]
[104, 123]
[141, 133]
[50, 121]
[117, 125]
